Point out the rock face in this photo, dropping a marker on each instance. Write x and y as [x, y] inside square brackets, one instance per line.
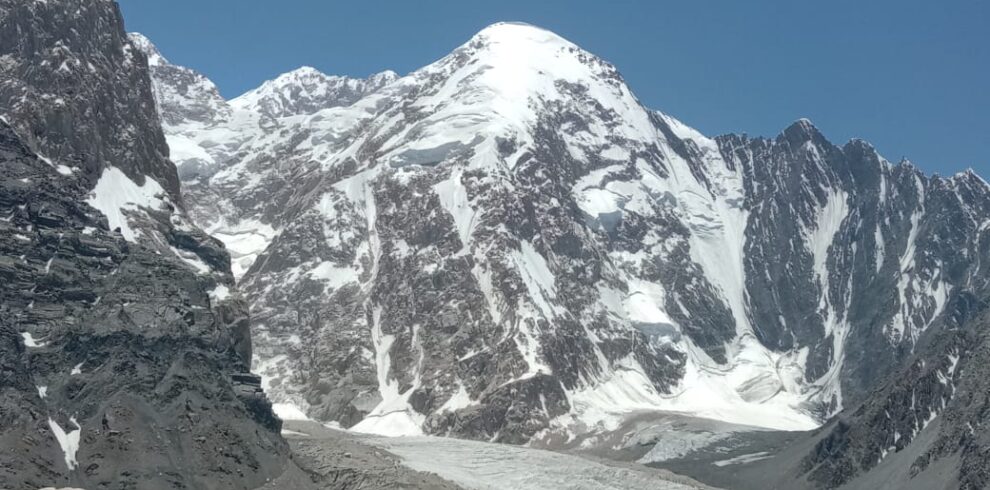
[182, 95]
[935, 412]
[119, 334]
[512, 247]
[62, 66]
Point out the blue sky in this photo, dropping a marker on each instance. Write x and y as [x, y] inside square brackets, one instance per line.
[910, 76]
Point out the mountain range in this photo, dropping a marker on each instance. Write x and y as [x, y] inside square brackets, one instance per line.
[504, 245]
[507, 245]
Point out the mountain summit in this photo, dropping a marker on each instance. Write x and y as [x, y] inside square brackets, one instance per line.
[307, 90]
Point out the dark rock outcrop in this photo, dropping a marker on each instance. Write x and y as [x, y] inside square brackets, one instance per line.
[117, 350]
[941, 393]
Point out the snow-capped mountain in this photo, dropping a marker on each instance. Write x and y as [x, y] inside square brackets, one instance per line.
[506, 245]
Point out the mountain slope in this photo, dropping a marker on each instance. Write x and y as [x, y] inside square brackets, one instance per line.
[931, 415]
[506, 245]
[119, 338]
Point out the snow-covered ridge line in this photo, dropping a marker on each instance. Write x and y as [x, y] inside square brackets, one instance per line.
[307, 90]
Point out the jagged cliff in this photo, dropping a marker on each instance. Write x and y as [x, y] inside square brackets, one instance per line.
[120, 334]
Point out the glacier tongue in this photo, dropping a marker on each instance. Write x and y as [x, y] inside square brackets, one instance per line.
[505, 244]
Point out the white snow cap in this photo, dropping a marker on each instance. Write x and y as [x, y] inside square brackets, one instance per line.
[384, 77]
[496, 83]
[516, 29]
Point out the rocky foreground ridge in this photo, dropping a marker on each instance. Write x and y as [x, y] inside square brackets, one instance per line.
[121, 337]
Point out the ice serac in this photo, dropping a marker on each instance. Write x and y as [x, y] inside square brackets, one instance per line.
[506, 245]
[118, 364]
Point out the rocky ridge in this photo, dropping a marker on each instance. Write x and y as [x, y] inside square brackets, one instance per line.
[306, 90]
[120, 333]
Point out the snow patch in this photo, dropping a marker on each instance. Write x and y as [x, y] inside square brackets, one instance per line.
[289, 411]
[392, 416]
[391, 424]
[596, 201]
[62, 169]
[703, 392]
[192, 260]
[459, 400]
[68, 441]
[453, 197]
[332, 275]
[881, 247]
[30, 341]
[219, 293]
[743, 459]
[827, 224]
[642, 304]
[115, 194]
[183, 150]
[245, 241]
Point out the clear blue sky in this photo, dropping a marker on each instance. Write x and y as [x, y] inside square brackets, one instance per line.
[910, 76]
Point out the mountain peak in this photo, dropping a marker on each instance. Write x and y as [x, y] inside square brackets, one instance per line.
[307, 90]
[517, 42]
[304, 71]
[143, 44]
[801, 131]
[503, 82]
[383, 78]
[516, 46]
[970, 175]
[182, 94]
